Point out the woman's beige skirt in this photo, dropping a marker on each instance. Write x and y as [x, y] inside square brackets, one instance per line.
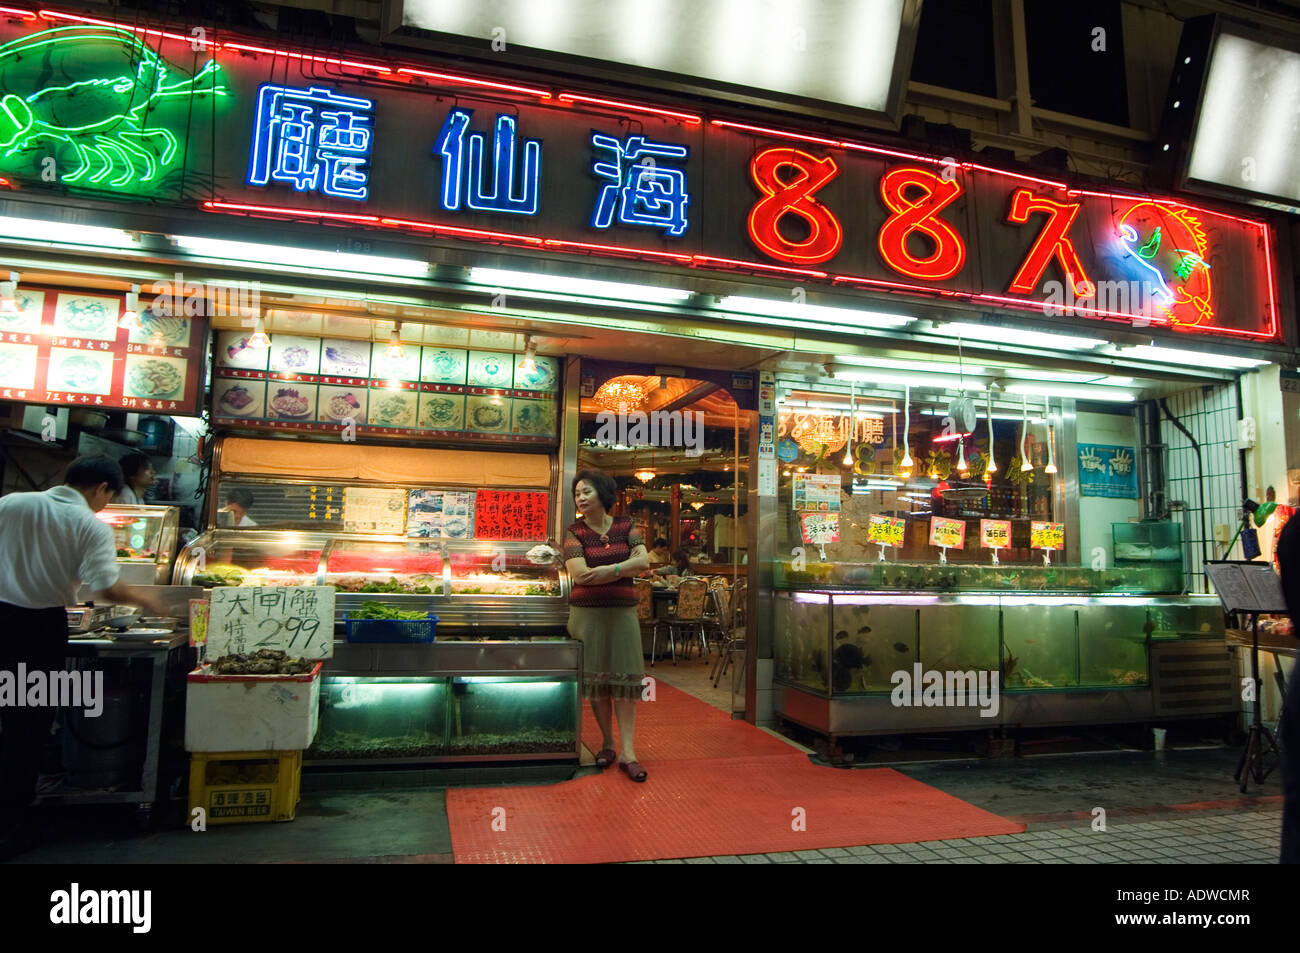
[611, 650]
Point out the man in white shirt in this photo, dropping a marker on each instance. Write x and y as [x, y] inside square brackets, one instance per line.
[50, 544]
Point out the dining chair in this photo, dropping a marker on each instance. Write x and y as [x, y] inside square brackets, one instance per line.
[735, 641]
[645, 615]
[715, 617]
[692, 600]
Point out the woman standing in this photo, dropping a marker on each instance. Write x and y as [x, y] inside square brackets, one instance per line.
[602, 553]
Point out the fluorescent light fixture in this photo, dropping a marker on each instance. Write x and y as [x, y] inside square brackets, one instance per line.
[1001, 335]
[522, 282]
[1112, 394]
[927, 367]
[980, 415]
[1173, 355]
[861, 410]
[35, 230]
[1063, 377]
[902, 379]
[847, 317]
[280, 255]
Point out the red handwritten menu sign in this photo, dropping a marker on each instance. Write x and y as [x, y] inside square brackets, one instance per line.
[63, 347]
[510, 514]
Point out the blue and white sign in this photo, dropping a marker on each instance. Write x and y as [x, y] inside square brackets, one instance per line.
[314, 139]
[1106, 470]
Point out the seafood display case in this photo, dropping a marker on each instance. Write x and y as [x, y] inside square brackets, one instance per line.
[1070, 646]
[476, 589]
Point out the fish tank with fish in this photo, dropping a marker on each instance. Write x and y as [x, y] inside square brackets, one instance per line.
[491, 715]
[402, 719]
[381, 718]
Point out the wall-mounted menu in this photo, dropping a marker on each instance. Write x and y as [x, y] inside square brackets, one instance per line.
[63, 347]
[329, 385]
[510, 514]
[369, 509]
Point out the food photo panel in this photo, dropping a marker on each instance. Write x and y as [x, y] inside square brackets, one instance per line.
[392, 408]
[488, 369]
[545, 376]
[290, 402]
[487, 414]
[233, 350]
[341, 358]
[86, 316]
[442, 411]
[157, 330]
[338, 405]
[154, 378]
[534, 418]
[18, 366]
[82, 372]
[236, 398]
[294, 355]
[443, 365]
[26, 319]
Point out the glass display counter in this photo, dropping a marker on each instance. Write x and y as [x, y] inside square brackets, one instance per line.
[145, 537]
[476, 589]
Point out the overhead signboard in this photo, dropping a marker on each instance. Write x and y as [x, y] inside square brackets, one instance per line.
[378, 145]
[65, 347]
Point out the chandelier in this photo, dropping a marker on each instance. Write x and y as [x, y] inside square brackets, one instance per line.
[645, 476]
[620, 394]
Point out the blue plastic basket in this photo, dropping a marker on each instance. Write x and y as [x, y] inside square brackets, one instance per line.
[402, 631]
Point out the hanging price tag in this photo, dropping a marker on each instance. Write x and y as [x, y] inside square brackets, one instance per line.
[947, 533]
[886, 530]
[1044, 535]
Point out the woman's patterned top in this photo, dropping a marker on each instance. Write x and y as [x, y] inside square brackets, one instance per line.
[614, 547]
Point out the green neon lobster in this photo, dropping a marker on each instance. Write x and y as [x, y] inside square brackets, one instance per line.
[93, 90]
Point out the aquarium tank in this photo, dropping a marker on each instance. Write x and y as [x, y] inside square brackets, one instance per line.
[490, 715]
[381, 717]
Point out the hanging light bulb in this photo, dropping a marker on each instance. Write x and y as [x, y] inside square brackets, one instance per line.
[529, 366]
[131, 316]
[992, 464]
[1047, 424]
[853, 420]
[395, 350]
[962, 467]
[1025, 465]
[9, 294]
[259, 338]
[906, 463]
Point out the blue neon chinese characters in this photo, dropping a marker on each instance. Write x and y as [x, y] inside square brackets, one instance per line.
[313, 139]
[641, 191]
[463, 173]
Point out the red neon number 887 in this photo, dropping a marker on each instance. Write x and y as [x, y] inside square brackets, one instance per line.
[921, 214]
[793, 196]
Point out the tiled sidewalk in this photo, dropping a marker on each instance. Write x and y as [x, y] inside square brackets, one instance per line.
[1241, 837]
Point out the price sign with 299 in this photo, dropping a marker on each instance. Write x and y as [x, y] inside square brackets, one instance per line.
[298, 620]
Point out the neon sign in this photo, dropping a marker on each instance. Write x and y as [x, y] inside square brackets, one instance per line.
[920, 215]
[1053, 241]
[79, 103]
[451, 145]
[645, 194]
[1171, 245]
[793, 197]
[314, 139]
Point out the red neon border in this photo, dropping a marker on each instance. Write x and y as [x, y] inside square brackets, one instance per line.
[689, 118]
[692, 260]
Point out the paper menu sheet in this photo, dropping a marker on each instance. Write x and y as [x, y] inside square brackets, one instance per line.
[435, 514]
[1247, 587]
[374, 510]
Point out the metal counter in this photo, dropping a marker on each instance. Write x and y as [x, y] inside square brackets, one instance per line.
[170, 658]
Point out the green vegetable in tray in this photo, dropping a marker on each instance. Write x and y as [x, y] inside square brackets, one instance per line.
[219, 575]
[377, 610]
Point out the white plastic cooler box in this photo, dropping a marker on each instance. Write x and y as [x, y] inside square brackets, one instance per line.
[252, 712]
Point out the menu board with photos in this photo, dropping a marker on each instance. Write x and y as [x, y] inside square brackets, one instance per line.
[63, 347]
[326, 385]
[510, 514]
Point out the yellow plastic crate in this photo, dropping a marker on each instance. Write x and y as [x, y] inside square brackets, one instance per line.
[245, 787]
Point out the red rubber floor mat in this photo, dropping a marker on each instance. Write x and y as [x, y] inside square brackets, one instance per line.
[716, 786]
[706, 808]
[679, 727]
